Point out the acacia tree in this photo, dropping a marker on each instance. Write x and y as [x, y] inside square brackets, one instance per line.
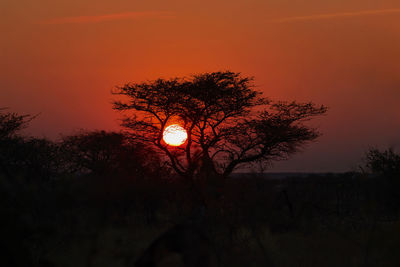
[229, 123]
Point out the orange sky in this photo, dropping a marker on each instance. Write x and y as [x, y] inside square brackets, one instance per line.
[62, 58]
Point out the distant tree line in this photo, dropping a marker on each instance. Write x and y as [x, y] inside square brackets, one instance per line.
[86, 152]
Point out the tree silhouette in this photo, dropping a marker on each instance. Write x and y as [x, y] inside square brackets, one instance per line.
[101, 152]
[11, 141]
[11, 123]
[385, 162]
[229, 123]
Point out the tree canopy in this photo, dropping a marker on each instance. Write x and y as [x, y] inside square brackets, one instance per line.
[229, 123]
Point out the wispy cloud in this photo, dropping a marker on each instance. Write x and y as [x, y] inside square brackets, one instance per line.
[109, 17]
[338, 15]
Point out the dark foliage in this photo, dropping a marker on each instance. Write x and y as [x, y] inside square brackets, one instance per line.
[101, 152]
[385, 162]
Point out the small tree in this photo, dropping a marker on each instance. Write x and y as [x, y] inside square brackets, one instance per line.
[385, 162]
[101, 152]
[10, 140]
[229, 124]
[23, 155]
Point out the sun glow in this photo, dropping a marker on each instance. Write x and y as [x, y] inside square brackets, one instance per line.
[174, 135]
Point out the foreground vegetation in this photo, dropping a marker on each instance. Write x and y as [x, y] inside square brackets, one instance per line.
[346, 220]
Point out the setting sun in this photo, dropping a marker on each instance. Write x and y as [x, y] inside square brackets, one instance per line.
[174, 135]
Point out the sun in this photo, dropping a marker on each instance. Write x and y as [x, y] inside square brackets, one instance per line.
[174, 135]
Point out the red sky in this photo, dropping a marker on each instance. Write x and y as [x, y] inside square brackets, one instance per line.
[62, 58]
